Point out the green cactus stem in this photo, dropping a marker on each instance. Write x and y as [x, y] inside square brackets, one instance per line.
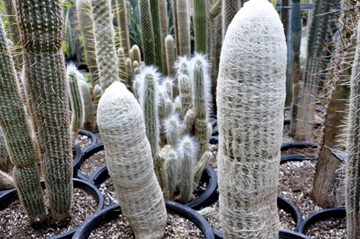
[170, 55]
[147, 33]
[130, 164]
[164, 32]
[201, 165]
[172, 125]
[134, 66]
[229, 10]
[89, 121]
[177, 107]
[188, 123]
[168, 85]
[155, 15]
[250, 103]
[47, 89]
[86, 28]
[136, 54]
[201, 26]
[129, 73]
[97, 93]
[104, 36]
[187, 154]
[123, 26]
[175, 25]
[185, 93]
[206, 212]
[161, 170]
[183, 25]
[122, 65]
[172, 171]
[76, 100]
[4, 155]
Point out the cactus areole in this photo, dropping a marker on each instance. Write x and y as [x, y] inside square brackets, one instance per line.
[250, 101]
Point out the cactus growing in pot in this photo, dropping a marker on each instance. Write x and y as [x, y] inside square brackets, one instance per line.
[121, 124]
[250, 121]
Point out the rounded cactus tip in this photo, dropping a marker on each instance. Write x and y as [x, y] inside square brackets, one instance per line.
[115, 91]
[258, 8]
[72, 69]
[188, 144]
[182, 62]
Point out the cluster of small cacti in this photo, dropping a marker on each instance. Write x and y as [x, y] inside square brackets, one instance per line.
[179, 149]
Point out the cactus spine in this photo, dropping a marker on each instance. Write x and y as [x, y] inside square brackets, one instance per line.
[86, 28]
[121, 64]
[250, 121]
[123, 26]
[47, 93]
[185, 93]
[121, 124]
[182, 8]
[17, 136]
[104, 36]
[229, 10]
[171, 129]
[155, 15]
[164, 32]
[170, 55]
[201, 21]
[147, 33]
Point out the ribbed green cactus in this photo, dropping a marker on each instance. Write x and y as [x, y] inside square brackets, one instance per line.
[188, 123]
[155, 15]
[123, 26]
[97, 93]
[89, 121]
[170, 55]
[183, 25]
[147, 33]
[172, 125]
[185, 93]
[228, 10]
[352, 150]
[76, 100]
[104, 36]
[47, 89]
[250, 100]
[187, 154]
[130, 164]
[122, 65]
[201, 26]
[163, 7]
[86, 28]
[17, 136]
[201, 165]
[148, 102]
[172, 166]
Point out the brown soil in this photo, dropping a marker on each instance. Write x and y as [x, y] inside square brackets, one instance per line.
[92, 163]
[333, 228]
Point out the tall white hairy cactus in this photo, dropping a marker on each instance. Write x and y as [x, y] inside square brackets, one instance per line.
[251, 95]
[129, 160]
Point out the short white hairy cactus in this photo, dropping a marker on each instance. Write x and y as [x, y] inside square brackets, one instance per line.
[130, 163]
[250, 102]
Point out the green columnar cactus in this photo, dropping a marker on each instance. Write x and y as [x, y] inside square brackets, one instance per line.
[122, 66]
[86, 28]
[161, 170]
[187, 154]
[164, 32]
[172, 125]
[89, 121]
[162, 103]
[147, 33]
[317, 34]
[136, 54]
[183, 14]
[6, 181]
[155, 15]
[134, 66]
[14, 29]
[201, 27]
[168, 107]
[47, 93]
[168, 85]
[97, 93]
[175, 24]
[183, 66]
[201, 165]
[229, 10]
[76, 100]
[250, 121]
[123, 26]
[206, 212]
[188, 123]
[352, 150]
[170, 55]
[177, 107]
[129, 160]
[149, 104]
[137, 88]
[16, 134]
[104, 36]
[185, 93]
[129, 72]
[172, 171]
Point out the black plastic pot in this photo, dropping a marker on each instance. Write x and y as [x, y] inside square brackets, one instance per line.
[287, 207]
[283, 234]
[296, 157]
[90, 135]
[89, 151]
[205, 199]
[322, 215]
[77, 153]
[297, 145]
[12, 195]
[112, 212]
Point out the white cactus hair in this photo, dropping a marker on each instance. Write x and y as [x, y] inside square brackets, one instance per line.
[177, 103]
[193, 143]
[181, 60]
[152, 70]
[166, 123]
[207, 80]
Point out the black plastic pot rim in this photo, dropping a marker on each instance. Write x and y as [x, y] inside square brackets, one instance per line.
[283, 234]
[90, 135]
[11, 196]
[296, 157]
[78, 155]
[322, 215]
[114, 210]
[297, 145]
[205, 199]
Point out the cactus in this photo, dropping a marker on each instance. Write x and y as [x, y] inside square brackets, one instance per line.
[201, 165]
[182, 8]
[155, 15]
[201, 26]
[135, 65]
[164, 32]
[147, 33]
[185, 93]
[170, 55]
[175, 25]
[89, 121]
[177, 107]
[172, 125]
[206, 212]
[4, 155]
[250, 121]
[168, 85]
[229, 10]
[123, 26]
[183, 66]
[187, 154]
[86, 28]
[172, 171]
[97, 93]
[136, 54]
[104, 36]
[129, 73]
[129, 159]
[45, 84]
[188, 123]
[16, 134]
[76, 100]
[161, 170]
[122, 66]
